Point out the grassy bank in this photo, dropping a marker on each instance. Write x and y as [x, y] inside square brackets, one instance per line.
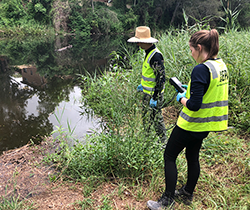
[128, 160]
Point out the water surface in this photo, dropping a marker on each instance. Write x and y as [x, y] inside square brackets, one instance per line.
[39, 86]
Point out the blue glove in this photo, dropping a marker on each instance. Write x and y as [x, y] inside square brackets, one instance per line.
[139, 88]
[152, 103]
[184, 86]
[180, 95]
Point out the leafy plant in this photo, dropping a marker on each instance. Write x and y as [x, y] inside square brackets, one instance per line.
[79, 21]
[39, 10]
[108, 21]
[11, 12]
[231, 16]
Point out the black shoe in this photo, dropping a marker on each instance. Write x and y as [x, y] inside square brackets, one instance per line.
[183, 195]
[165, 202]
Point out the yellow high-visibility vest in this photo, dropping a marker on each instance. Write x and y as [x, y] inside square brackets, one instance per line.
[148, 76]
[213, 114]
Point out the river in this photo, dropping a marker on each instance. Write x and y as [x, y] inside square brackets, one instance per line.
[39, 87]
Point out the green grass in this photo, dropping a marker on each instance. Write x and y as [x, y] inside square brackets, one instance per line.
[125, 157]
[14, 204]
[26, 29]
[234, 50]
[14, 201]
[226, 169]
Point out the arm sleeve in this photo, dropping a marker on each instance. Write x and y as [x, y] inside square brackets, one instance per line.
[200, 80]
[157, 63]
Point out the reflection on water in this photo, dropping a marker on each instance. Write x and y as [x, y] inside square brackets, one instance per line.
[16, 126]
[38, 78]
[68, 114]
[31, 77]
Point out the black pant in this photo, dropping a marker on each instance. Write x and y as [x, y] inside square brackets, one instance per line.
[178, 140]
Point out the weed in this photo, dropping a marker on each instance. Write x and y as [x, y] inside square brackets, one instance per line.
[86, 203]
[14, 202]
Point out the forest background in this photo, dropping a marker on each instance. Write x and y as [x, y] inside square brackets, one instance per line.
[87, 17]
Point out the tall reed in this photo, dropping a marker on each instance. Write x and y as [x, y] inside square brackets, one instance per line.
[234, 50]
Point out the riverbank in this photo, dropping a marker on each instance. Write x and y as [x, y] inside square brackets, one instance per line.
[28, 182]
[23, 174]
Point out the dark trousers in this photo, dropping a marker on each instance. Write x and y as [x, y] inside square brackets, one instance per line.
[154, 117]
[178, 140]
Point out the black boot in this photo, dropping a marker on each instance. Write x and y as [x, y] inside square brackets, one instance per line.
[165, 202]
[183, 195]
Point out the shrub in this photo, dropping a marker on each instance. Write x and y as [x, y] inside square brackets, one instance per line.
[11, 12]
[108, 21]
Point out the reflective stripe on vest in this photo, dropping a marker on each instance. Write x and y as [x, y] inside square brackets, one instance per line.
[203, 120]
[148, 76]
[213, 114]
[148, 79]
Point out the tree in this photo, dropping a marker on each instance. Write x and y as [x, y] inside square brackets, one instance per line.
[92, 4]
[144, 9]
[11, 12]
[39, 10]
[120, 4]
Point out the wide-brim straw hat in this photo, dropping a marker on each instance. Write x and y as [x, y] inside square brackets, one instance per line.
[143, 35]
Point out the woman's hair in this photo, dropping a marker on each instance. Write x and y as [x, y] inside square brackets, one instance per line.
[208, 39]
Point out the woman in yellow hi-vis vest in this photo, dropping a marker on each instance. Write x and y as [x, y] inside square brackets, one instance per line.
[152, 81]
[205, 109]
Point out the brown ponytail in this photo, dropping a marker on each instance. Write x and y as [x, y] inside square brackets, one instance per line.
[208, 39]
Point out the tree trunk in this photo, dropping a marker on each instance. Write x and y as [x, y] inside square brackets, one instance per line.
[175, 10]
[92, 3]
[61, 15]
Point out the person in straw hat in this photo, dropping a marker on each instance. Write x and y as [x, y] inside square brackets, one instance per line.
[152, 81]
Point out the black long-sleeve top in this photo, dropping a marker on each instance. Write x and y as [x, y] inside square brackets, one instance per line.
[157, 63]
[200, 80]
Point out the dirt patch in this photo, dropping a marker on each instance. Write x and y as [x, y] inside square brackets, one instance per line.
[170, 114]
[22, 173]
[59, 195]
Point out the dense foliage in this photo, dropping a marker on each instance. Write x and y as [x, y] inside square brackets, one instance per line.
[17, 12]
[235, 53]
[88, 16]
[159, 15]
